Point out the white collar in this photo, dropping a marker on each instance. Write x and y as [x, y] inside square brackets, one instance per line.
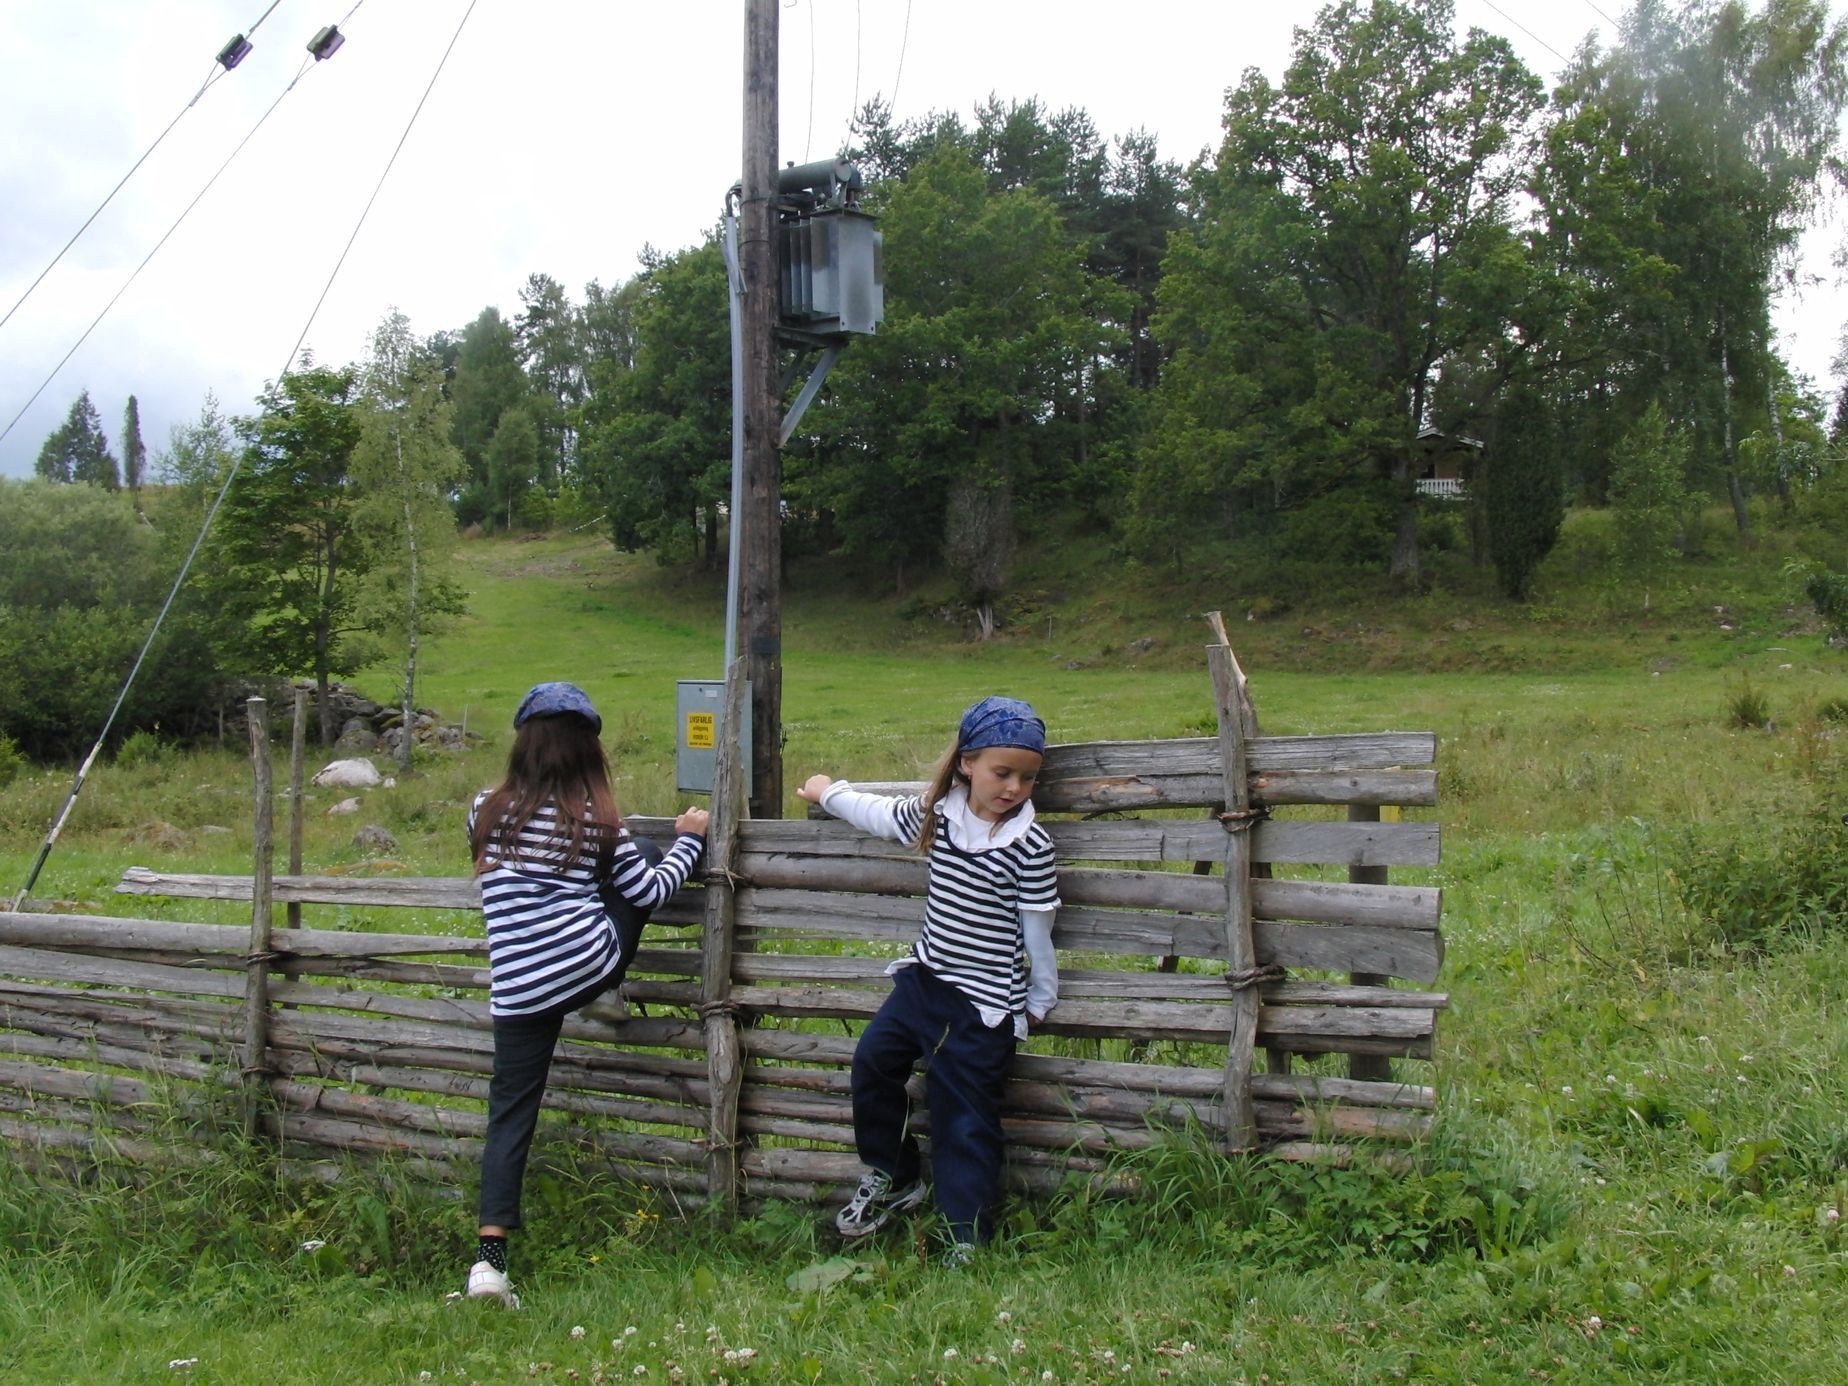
[973, 834]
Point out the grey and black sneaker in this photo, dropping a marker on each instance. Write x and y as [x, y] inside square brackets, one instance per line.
[874, 1203]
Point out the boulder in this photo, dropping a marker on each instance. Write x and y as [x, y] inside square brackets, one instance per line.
[375, 841]
[347, 774]
[344, 806]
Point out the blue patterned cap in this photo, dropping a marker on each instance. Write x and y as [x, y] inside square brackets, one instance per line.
[550, 699]
[997, 721]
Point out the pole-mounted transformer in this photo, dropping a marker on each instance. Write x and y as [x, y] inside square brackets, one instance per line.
[830, 289]
[830, 256]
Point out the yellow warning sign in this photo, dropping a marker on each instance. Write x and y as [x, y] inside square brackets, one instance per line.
[701, 727]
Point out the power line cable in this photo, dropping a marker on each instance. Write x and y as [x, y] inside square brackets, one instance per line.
[157, 245]
[903, 43]
[228, 57]
[808, 140]
[853, 111]
[231, 475]
[1525, 30]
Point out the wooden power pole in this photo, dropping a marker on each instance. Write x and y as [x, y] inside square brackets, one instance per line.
[760, 521]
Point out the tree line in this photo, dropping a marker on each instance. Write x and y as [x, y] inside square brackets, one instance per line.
[1403, 245]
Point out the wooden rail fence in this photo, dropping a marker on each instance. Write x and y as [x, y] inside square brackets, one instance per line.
[722, 1069]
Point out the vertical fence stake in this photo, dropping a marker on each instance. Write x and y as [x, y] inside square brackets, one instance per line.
[298, 735]
[724, 1061]
[1241, 954]
[1375, 1067]
[256, 962]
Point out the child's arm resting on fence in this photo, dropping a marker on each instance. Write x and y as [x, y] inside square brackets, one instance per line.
[870, 813]
[1043, 962]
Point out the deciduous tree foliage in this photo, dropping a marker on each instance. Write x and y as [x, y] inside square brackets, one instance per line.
[657, 435]
[488, 382]
[1354, 237]
[80, 581]
[990, 317]
[1683, 166]
[404, 466]
[287, 561]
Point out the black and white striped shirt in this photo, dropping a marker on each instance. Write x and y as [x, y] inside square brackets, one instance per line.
[972, 935]
[548, 934]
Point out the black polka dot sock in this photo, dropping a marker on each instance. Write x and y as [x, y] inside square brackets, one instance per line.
[493, 1250]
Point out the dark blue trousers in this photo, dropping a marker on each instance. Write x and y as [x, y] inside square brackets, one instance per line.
[927, 1018]
[523, 1046]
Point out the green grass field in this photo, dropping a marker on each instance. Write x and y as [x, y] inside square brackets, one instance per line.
[1644, 1152]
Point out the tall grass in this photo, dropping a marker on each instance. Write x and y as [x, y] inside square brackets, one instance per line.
[1641, 1163]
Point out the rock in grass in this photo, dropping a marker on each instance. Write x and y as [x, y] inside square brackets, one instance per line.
[344, 806]
[348, 774]
[375, 841]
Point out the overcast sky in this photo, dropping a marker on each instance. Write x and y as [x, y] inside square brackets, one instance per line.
[561, 136]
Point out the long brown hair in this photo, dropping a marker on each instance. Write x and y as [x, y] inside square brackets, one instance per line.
[948, 775]
[556, 759]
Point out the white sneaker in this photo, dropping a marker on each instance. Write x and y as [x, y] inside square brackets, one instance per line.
[484, 1282]
[875, 1203]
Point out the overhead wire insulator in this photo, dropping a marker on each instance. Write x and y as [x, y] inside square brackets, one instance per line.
[326, 43]
[233, 52]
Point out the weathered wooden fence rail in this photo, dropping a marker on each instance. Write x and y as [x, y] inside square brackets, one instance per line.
[722, 1069]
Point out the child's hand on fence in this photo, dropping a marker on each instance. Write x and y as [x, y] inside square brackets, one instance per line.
[692, 820]
[812, 788]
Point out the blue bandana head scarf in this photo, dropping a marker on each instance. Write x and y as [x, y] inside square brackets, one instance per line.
[997, 721]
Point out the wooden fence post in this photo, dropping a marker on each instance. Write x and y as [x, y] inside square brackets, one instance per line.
[298, 735]
[1241, 955]
[257, 960]
[1376, 1067]
[724, 1056]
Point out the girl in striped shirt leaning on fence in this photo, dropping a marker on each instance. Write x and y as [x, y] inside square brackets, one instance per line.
[963, 998]
[565, 891]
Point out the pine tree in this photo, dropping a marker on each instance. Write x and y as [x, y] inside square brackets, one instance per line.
[78, 449]
[134, 451]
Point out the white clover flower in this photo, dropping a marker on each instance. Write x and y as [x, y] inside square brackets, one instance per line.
[1790, 1272]
[746, 1354]
[1004, 1317]
[1047, 1375]
[425, 1376]
[182, 1364]
[1567, 1089]
[577, 1330]
[950, 1354]
[1017, 1347]
[640, 1370]
[1833, 1215]
[629, 1332]
[1592, 1324]
[313, 1246]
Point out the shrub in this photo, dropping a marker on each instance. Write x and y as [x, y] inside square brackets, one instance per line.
[1747, 707]
[11, 761]
[140, 748]
[1760, 881]
[1348, 528]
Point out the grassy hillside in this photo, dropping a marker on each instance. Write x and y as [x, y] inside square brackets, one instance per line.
[1643, 1161]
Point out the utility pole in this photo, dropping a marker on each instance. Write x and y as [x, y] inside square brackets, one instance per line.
[760, 519]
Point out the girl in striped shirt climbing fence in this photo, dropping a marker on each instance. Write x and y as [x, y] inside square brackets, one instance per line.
[565, 891]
